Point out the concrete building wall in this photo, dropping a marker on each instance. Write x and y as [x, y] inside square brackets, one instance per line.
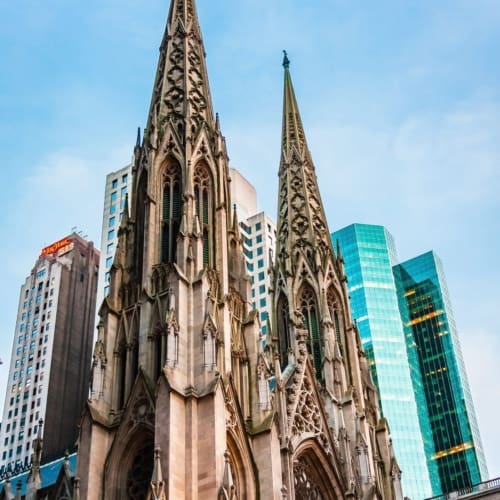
[243, 194]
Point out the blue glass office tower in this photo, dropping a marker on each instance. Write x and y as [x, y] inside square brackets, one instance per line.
[453, 443]
[369, 254]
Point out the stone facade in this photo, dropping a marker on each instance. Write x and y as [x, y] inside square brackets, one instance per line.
[185, 403]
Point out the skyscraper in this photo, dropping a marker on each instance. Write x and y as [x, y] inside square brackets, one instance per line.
[51, 352]
[258, 232]
[115, 192]
[369, 253]
[259, 240]
[185, 403]
[425, 305]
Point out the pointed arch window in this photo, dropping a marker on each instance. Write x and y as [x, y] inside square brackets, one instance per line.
[203, 204]
[334, 314]
[311, 480]
[159, 336]
[122, 374]
[171, 213]
[140, 471]
[310, 313]
[283, 330]
[140, 218]
[209, 349]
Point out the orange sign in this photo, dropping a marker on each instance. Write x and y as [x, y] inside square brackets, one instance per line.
[56, 247]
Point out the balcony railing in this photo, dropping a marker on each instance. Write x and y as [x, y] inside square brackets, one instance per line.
[483, 487]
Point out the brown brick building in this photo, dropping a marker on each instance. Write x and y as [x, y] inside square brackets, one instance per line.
[51, 353]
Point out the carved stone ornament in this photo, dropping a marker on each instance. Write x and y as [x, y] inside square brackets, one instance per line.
[231, 417]
[305, 412]
[142, 413]
[305, 482]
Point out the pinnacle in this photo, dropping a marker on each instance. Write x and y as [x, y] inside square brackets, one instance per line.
[303, 224]
[181, 94]
[293, 130]
[286, 61]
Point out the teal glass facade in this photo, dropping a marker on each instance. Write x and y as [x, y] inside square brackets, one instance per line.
[369, 254]
[452, 437]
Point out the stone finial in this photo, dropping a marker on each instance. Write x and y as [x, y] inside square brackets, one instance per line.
[286, 61]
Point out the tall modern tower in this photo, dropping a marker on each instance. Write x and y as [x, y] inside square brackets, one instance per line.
[185, 402]
[115, 193]
[259, 240]
[369, 254]
[51, 352]
[456, 447]
[258, 233]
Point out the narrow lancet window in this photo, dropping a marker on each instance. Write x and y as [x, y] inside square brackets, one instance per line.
[334, 308]
[310, 314]
[283, 330]
[171, 213]
[158, 341]
[202, 194]
[122, 375]
[209, 351]
[140, 217]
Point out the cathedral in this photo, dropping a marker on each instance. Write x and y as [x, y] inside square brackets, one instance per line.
[185, 400]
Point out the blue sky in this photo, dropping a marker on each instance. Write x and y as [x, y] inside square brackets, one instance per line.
[400, 101]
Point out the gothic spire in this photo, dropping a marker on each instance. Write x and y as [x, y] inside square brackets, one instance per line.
[181, 93]
[293, 130]
[301, 219]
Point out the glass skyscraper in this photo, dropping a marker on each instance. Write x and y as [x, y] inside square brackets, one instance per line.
[369, 254]
[453, 443]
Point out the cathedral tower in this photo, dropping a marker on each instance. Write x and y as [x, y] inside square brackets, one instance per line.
[326, 387]
[176, 338]
[185, 403]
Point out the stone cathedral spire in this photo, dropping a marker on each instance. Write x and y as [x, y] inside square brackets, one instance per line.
[178, 345]
[304, 251]
[185, 403]
[326, 387]
[181, 95]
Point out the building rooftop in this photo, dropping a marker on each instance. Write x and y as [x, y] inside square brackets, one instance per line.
[49, 473]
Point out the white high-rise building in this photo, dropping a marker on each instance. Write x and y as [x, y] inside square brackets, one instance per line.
[258, 231]
[117, 185]
[51, 353]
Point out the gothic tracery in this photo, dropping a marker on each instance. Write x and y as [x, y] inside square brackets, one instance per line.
[305, 482]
